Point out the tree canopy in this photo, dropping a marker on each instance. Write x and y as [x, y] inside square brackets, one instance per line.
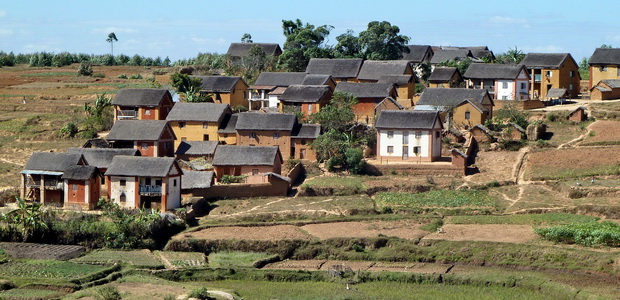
[382, 41]
[303, 41]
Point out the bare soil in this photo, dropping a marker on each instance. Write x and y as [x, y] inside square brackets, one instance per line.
[605, 131]
[42, 251]
[258, 233]
[494, 166]
[491, 233]
[582, 158]
[405, 229]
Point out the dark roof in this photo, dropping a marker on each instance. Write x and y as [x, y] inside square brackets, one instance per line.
[278, 176]
[445, 55]
[265, 121]
[577, 109]
[79, 172]
[279, 78]
[197, 179]
[52, 161]
[197, 147]
[493, 71]
[137, 130]
[416, 53]
[143, 166]
[229, 155]
[374, 69]
[442, 74]
[544, 60]
[102, 157]
[396, 79]
[337, 68]
[390, 99]
[201, 112]
[557, 93]
[306, 131]
[305, 93]
[612, 83]
[316, 79]
[450, 97]
[605, 56]
[228, 124]
[140, 97]
[97, 143]
[517, 127]
[483, 128]
[365, 90]
[477, 51]
[406, 119]
[218, 83]
[243, 49]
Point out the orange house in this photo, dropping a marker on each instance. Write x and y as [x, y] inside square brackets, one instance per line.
[82, 186]
[307, 99]
[41, 179]
[552, 71]
[142, 104]
[252, 162]
[151, 137]
[231, 90]
[368, 96]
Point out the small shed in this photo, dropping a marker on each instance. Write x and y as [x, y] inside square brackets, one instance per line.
[578, 115]
[481, 134]
[513, 132]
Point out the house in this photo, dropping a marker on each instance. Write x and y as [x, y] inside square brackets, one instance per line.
[478, 53]
[190, 150]
[307, 99]
[405, 87]
[552, 71]
[606, 89]
[240, 50]
[445, 77]
[96, 143]
[101, 158]
[145, 182]
[142, 104]
[459, 107]
[387, 104]
[481, 134]
[319, 79]
[82, 187]
[266, 129]
[41, 179]
[196, 181]
[151, 137]
[372, 70]
[250, 161]
[227, 134]
[604, 64]
[341, 70]
[418, 54]
[408, 135]
[578, 114]
[269, 86]
[231, 90]
[441, 56]
[301, 139]
[197, 121]
[505, 82]
[368, 96]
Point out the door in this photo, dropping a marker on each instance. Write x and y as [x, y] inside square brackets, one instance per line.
[302, 154]
[405, 137]
[405, 152]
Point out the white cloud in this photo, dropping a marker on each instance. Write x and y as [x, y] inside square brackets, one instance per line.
[116, 30]
[6, 32]
[499, 20]
[2, 13]
[543, 49]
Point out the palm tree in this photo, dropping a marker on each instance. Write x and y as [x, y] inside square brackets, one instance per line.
[111, 39]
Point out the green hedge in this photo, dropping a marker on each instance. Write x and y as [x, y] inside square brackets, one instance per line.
[588, 234]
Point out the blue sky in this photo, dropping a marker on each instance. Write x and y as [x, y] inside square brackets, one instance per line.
[182, 29]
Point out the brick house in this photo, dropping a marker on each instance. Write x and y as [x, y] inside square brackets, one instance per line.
[142, 104]
[151, 137]
[445, 77]
[458, 106]
[604, 64]
[251, 161]
[231, 90]
[368, 96]
[307, 99]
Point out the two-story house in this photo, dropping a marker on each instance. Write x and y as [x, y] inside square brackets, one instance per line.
[504, 82]
[373, 70]
[142, 104]
[253, 162]
[458, 107]
[340, 69]
[368, 95]
[145, 182]
[604, 64]
[552, 71]
[152, 138]
[269, 86]
[266, 129]
[307, 99]
[408, 135]
[231, 90]
[197, 121]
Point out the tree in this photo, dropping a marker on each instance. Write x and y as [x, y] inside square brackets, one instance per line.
[29, 217]
[584, 68]
[348, 46]
[606, 46]
[462, 65]
[246, 38]
[381, 41]
[111, 39]
[184, 83]
[303, 41]
[338, 115]
[512, 56]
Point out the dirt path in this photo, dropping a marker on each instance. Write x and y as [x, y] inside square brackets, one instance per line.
[11, 162]
[225, 295]
[579, 138]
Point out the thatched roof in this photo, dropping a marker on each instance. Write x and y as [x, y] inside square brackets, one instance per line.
[605, 56]
[243, 49]
[199, 112]
[52, 161]
[283, 79]
[265, 121]
[141, 166]
[545, 60]
[102, 157]
[493, 71]
[445, 55]
[137, 130]
[306, 131]
[140, 97]
[366, 90]
[443, 74]
[374, 69]
[305, 93]
[407, 119]
[79, 172]
[417, 53]
[197, 148]
[219, 84]
[317, 79]
[228, 124]
[337, 68]
[397, 79]
[228, 155]
[197, 179]
[441, 97]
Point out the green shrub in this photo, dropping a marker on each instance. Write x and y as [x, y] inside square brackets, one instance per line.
[493, 183]
[354, 160]
[85, 69]
[200, 293]
[543, 144]
[99, 75]
[68, 131]
[587, 234]
[592, 133]
[135, 76]
[228, 179]
[122, 76]
[108, 293]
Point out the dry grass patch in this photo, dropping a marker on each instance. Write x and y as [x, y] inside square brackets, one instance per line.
[604, 133]
[257, 233]
[489, 233]
[406, 229]
[572, 163]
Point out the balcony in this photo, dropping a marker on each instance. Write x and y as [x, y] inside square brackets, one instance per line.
[124, 114]
[150, 190]
[537, 78]
[52, 184]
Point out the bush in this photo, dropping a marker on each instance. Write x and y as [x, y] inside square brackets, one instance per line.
[587, 234]
[68, 131]
[108, 293]
[228, 179]
[122, 76]
[354, 158]
[85, 69]
[200, 293]
[135, 76]
[99, 75]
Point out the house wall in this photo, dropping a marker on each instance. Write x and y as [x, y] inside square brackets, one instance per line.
[146, 148]
[596, 74]
[475, 116]
[226, 191]
[364, 110]
[480, 136]
[227, 138]
[173, 191]
[429, 150]
[302, 145]
[131, 190]
[577, 116]
[560, 78]
[194, 131]
[237, 97]
[266, 138]
[246, 170]
[78, 195]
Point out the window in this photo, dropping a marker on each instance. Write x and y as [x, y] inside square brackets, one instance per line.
[181, 124]
[309, 107]
[147, 181]
[123, 198]
[504, 85]
[254, 171]
[549, 74]
[570, 87]
[303, 142]
[205, 125]
[523, 85]
[390, 134]
[390, 149]
[437, 134]
[418, 134]
[252, 135]
[145, 146]
[603, 68]
[225, 135]
[416, 150]
[122, 182]
[183, 139]
[174, 182]
[467, 115]
[571, 73]
[276, 135]
[74, 187]
[147, 112]
[205, 137]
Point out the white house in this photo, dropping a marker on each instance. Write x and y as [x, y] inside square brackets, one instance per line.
[409, 135]
[504, 82]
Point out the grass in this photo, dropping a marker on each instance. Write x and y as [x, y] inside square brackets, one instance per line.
[235, 259]
[183, 259]
[137, 258]
[564, 131]
[440, 198]
[331, 185]
[31, 293]
[50, 74]
[586, 234]
[529, 219]
[46, 269]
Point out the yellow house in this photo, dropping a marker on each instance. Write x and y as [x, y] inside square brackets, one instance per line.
[445, 77]
[604, 64]
[405, 87]
[552, 71]
[227, 133]
[197, 121]
[458, 107]
[231, 90]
